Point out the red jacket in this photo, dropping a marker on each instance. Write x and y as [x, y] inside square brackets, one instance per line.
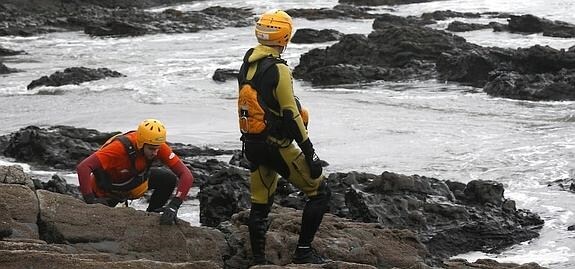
[115, 161]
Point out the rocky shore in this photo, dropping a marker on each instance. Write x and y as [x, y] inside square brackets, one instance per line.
[375, 221]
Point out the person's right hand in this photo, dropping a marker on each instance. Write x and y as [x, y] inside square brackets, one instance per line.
[315, 166]
[170, 212]
[313, 161]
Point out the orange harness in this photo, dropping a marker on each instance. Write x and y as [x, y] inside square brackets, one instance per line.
[134, 188]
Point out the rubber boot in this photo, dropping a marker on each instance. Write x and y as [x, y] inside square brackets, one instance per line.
[258, 226]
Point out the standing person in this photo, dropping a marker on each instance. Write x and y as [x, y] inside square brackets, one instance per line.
[121, 170]
[270, 121]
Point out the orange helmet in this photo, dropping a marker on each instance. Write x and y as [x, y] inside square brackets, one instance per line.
[150, 131]
[274, 28]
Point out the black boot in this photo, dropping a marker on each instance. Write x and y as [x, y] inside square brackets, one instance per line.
[313, 213]
[258, 226]
[307, 254]
[311, 218]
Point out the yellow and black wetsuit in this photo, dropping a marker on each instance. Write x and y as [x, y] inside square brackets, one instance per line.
[275, 153]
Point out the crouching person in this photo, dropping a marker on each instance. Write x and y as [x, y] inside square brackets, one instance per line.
[122, 170]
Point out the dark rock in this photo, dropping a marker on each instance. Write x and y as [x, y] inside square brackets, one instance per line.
[450, 217]
[385, 20]
[338, 12]
[59, 185]
[441, 15]
[382, 2]
[73, 75]
[499, 27]
[121, 19]
[392, 52]
[8, 52]
[307, 36]
[556, 87]
[116, 28]
[186, 150]
[484, 192]
[470, 67]
[225, 193]
[223, 74]
[457, 26]
[14, 174]
[61, 147]
[533, 24]
[5, 70]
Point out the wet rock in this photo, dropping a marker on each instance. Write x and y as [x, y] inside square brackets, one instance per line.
[484, 192]
[337, 239]
[6, 70]
[126, 18]
[60, 147]
[9, 52]
[441, 15]
[223, 74]
[57, 184]
[383, 21]
[450, 217]
[307, 36]
[382, 2]
[337, 12]
[564, 184]
[458, 26]
[116, 28]
[18, 212]
[14, 174]
[548, 86]
[5, 221]
[73, 75]
[394, 51]
[470, 67]
[225, 193]
[533, 24]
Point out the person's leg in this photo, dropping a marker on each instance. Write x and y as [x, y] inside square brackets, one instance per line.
[103, 188]
[263, 183]
[319, 195]
[263, 160]
[311, 218]
[163, 182]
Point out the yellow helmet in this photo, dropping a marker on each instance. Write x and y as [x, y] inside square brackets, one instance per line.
[274, 28]
[150, 131]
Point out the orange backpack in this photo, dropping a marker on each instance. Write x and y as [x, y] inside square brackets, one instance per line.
[254, 115]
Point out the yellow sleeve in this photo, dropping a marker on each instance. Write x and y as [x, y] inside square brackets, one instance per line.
[286, 99]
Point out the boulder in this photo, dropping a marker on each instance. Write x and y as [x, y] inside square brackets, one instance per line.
[73, 75]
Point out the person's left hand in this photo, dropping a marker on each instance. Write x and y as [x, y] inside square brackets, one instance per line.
[170, 213]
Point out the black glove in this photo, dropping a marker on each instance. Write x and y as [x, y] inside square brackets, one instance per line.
[315, 167]
[92, 199]
[171, 212]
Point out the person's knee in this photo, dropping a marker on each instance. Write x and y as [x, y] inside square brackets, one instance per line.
[323, 193]
[259, 214]
[161, 178]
